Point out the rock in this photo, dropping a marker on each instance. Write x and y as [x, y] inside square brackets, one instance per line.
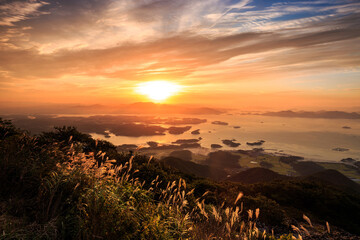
[230, 143]
[196, 132]
[216, 146]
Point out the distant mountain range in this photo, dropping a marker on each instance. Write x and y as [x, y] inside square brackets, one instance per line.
[138, 108]
[318, 114]
[150, 107]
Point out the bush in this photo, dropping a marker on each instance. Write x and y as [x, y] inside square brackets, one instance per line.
[66, 185]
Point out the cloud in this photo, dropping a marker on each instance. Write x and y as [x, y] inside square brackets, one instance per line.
[103, 24]
[91, 24]
[12, 12]
[93, 46]
[237, 5]
[282, 15]
[183, 54]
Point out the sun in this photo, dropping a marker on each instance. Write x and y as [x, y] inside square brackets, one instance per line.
[158, 90]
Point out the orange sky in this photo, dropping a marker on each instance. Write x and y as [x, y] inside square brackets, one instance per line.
[246, 54]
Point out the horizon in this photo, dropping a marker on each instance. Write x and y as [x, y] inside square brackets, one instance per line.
[7, 108]
[260, 55]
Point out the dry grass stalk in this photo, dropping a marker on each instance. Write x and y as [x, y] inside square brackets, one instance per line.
[180, 183]
[174, 197]
[227, 212]
[250, 214]
[307, 219]
[191, 192]
[328, 227]
[216, 214]
[227, 226]
[242, 227]
[295, 228]
[151, 157]
[305, 230]
[206, 193]
[238, 197]
[138, 148]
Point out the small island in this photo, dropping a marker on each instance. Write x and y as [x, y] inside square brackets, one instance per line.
[230, 143]
[220, 123]
[257, 143]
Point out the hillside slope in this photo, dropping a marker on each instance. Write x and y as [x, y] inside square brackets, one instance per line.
[336, 178]
[256, 175]
[66, 185]
[198, 170]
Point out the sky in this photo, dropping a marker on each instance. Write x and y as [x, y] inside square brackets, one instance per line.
[248, 54]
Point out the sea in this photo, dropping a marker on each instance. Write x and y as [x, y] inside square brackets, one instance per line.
[316, 139]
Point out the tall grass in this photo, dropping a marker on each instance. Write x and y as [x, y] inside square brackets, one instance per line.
[57, 189]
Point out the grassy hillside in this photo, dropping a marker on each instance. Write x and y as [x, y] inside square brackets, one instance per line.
[334, 177]
[256, 175]
[66, 185]
[198, 170]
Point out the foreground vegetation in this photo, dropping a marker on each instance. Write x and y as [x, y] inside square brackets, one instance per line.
[66, 185]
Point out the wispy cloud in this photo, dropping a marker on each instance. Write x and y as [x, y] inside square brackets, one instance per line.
[12, 12]
[181, 55]
[237, 6]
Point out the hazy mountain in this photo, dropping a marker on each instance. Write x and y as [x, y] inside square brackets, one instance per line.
[152, 108]
[319, 114]
[138, 107]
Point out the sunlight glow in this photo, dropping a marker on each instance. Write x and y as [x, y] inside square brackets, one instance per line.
[158, 90]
